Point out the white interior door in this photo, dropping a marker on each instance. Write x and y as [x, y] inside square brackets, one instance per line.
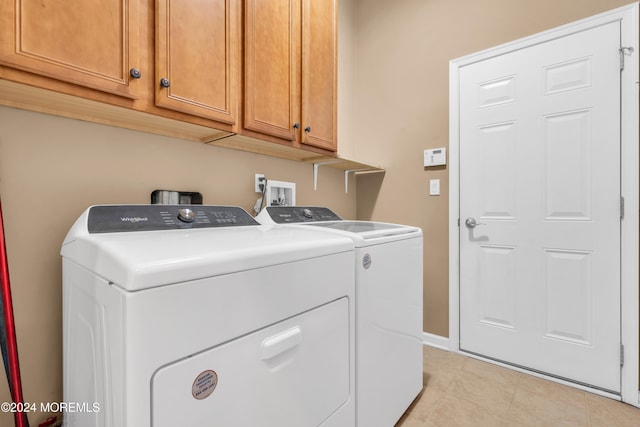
[540, 175]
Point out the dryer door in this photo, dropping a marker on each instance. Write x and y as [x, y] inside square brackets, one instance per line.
[293, 373]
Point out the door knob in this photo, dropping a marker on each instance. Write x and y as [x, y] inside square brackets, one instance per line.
[472, 223]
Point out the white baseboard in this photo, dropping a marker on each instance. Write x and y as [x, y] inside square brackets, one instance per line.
[435, 341]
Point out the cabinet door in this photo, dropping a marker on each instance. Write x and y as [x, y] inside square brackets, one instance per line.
[93, 44]
[197, 57]
[272, 67]
[319, 73]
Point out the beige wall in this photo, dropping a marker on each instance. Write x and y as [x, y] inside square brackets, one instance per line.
[393, 104]
[53, 168]
[403, 52]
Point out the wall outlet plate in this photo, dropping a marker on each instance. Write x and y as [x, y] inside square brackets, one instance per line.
[258, 182]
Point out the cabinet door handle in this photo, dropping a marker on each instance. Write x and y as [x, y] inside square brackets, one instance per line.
[135, 73]
[307, 129]
[164, 82]
[296, 125]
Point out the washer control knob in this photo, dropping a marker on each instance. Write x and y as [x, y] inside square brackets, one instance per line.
[186, 215]
[307, 213]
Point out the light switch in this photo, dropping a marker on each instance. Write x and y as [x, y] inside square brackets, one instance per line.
[435, 157]
[434, 187]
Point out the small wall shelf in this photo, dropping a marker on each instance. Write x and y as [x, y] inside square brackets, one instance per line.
[348, 166]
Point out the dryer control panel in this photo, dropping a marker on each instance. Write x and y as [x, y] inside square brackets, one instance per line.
[297, 214]
[122, 218]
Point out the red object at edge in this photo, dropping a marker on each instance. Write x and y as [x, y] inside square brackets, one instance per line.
[12, 344]
[48, 422]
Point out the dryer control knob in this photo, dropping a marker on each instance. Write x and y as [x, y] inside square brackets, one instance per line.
[186, 215]
[307, 213]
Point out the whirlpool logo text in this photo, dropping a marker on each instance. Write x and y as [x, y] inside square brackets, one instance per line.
[134, 219]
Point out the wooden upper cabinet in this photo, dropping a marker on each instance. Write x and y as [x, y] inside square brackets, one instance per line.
[272, 67]
[93, 44]
[197, 57]
[319, 73]
[290, 82]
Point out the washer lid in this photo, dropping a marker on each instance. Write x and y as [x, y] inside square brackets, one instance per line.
[362, 232]
[138, 260]
[367, 230]
[365, 227]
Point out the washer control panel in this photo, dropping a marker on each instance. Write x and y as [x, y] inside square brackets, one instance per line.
[122, 218]
[296, 214]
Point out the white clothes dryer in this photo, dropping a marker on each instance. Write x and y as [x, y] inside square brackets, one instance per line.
[198, 316]
[388, 273]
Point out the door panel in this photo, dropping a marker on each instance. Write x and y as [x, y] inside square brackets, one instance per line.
[567, 166]
[567, 278]
[497, 296]
[197, 51]
[272, 67]
[498, 200]
[319, 73]
[93, 44]
[540, 173]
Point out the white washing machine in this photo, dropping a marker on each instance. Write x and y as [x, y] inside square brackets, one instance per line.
[198, 316]
[388, 273]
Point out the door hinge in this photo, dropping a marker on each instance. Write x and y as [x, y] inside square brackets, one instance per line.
[624, 51]
[458, 222]
[621, 355]
[621, 207]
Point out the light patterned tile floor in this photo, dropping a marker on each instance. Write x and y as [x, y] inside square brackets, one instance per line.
[466, 392]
